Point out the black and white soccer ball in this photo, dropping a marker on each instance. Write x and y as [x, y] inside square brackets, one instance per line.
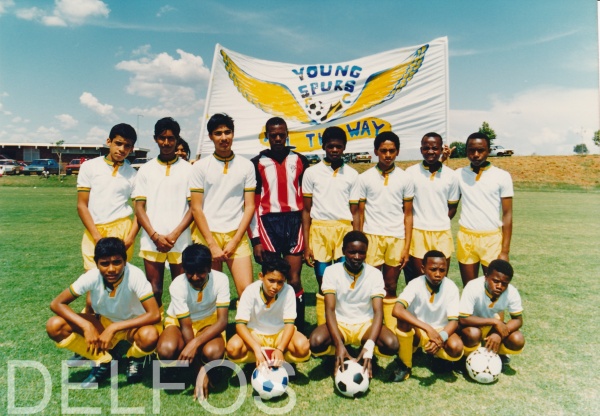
[484, 366]
[270, 382]
[315, 109]
[351, 380]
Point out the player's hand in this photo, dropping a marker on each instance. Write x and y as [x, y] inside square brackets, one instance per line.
[435, 341]
[276, 358]
[217, 253]
[367, 363]
[341, 355]
[105, 338]
[492, 342]
[189, 352]
[172, 238]
[501, 329]
[261, 359]
[258, 253]
[230, 248]
[202, 383]
[446, 152]
[404, 258]
[128, 242]
[92, 338]
[503, 256]
[163, 245]
[308, 257]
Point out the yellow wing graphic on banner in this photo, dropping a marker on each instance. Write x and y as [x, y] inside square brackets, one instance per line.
[272, 98]
[383, 85]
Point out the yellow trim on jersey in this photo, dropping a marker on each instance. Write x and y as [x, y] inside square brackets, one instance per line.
[222, 305]
[453, 318]
[113, 291]
[379, 295]
[355, 276]
[182, 316]
[199, 190]
[83, 189]
[465, 315]
[250, 189]
[140, 198]
[403, 303]
[146, 297]
[288, 321]
[432, 290]
[114, 165]
[73, 292]
[329, 292]
[516, 314]
[168, 164]
[241, 322]
[268, 303]
[307, 195]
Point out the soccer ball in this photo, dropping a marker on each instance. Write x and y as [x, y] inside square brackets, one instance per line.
[270, 383]
[315, 109]
[484, 366]
[351, 380]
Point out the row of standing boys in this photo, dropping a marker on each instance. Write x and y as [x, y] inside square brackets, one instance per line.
[357, 231]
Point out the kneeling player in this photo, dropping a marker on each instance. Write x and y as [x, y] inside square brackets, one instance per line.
[482, 305]
[197, 316]
[427, 313]
[354, 294]
[265, 318]
[125, 310]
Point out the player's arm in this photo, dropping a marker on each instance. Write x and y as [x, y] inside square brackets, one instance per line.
[135, 228]
[83, 199]
[161, 242]
[366, 354]
[173, 236]
[253, 231]
[407, 207]
[506, 227]
[202, 224]
[358, 215]
[495, 338]
[341, 354]
[194, 343]
[306, 222]
[286, 337]
[435, 340]
[251, 342]
[244, 223]
[452, 208]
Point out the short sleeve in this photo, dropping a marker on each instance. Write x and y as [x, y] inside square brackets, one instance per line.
[84, 179]
[223, 294]
[506, 186]
[453, 189]
[84, 283]
[453, 304]
[197, 177]
[328, 285]
[307, 182]
[139, 186]
[409, 189]
[178, 308]
[244, 308]
[250, 183]
[467, 301]
[289, 308]
[408, 294]
[358, 192]
[139, 284]
[378, 288]
[514, 302]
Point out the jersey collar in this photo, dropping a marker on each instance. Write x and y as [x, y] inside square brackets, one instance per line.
[432, 289]
[201, 290]
[492, 298]
[224, 159]
[354, 276]
[113, 290]
[267, 303]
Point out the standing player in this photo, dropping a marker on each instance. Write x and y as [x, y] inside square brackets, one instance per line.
[326, 216]
[482, 305]
[197, 316]
[222, 187]
[427, 312]
[353, 307]
[161, 204]
[104, 186]
[485, 189]
[384, 195]
[435, 203]
[125, 310]
[278, 218]
[265, 318]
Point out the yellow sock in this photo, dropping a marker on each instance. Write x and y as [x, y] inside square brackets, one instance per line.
[248, 358]
[329, 351]
[293, 359]
[77, 344]
[320, 309]
[388, 318]
[136, 352]
[380, 354]
[405, 350]
[468, 350]
[503, 350]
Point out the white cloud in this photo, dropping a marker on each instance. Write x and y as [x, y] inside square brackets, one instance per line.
[5, 4]
[66, 12]
[165, 9]
[32, 13]
[91, 102]
[96, 135]
[67, 121]
[545, 120]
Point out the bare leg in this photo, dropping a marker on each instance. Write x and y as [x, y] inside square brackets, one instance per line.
[155, 273]
[468, 272]
[241, 270]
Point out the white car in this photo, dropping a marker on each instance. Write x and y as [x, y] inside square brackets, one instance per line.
[497, 150]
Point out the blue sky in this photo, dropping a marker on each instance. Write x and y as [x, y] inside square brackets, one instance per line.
[70, 69]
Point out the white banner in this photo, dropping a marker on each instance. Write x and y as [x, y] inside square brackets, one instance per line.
[404, 90]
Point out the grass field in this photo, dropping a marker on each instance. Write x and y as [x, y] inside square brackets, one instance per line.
[555, 253]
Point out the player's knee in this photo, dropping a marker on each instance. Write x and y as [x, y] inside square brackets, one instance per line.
[146, 338]
[403, 326]
[515, 341]
[471, 336]
[55, 328]
[235, 348]
[167, 349]
[318, 341]
[454, 346]
[302, 347]
[388, 343]
[213, 351]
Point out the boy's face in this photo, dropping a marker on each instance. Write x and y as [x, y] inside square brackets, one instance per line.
[119, 148]
[334, 149]
[277, 136]
[272, 283]
[180, 151]
[387, 154]
[198, 279]
[431, 149]
[167, 142]
[496, 283]
[435, 269]
[477, 151]
[355, 253]
[111, 268]
[222, 137]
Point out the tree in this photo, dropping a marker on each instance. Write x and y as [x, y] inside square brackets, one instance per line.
[460, 150]
[488, 131]
[57, 150]
[597, 138]
[581, 149]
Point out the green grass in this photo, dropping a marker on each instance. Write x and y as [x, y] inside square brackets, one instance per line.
[555, 253]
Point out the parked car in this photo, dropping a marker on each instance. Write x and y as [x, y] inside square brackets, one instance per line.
[73, 166]
[497, 150]
[313, 159]
[11, 167]
[362, 157]
[139, 161]
[38, 166]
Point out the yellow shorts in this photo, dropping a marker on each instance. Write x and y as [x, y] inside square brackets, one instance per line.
[242, 250]
[126, 334]
[197, 326]
[118, 228]
[157, 257]
[354, 333]
[267, 340]
[478, 246]
[423, 241]
[384, 250]
[326, 238]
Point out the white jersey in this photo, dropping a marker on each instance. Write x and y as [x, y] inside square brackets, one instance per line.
[122, 303]
[330, 190]
[262, 317]
[165, 189]
[427, 305]
[384, 194]
[353, 293]
[481, 197]
[223, 183]
[476, 300]
[187, 302]
[109, 185]
[433, 193]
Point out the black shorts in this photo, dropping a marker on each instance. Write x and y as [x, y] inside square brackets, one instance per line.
[282, 233]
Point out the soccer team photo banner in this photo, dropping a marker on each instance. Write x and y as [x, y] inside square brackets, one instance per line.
[403, 90]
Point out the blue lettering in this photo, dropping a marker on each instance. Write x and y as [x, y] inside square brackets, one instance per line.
[310, 136]
[303, 91]
[353, 131]
[323, 88]
[300, 73]
[341, 70]
[377, 127]
[350, 86]
[313, 87]
[365, 129]
[346, 98]
[326, 73]
[312, 71]
[355, 72]
[338, 85]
